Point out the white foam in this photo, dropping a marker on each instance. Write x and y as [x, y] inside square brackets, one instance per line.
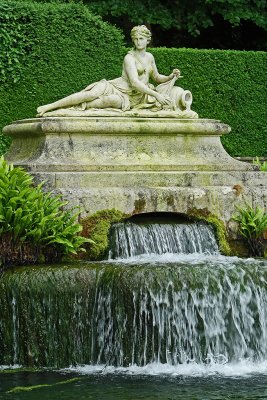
[193, 258]
[192, 369]
[15, 366]
[218, 367]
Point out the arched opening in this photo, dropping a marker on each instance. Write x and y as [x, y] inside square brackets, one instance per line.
[159, 233]
[160, 218]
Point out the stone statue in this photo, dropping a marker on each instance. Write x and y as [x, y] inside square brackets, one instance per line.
[130, 94]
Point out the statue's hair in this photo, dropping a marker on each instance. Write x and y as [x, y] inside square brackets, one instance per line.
[141, 30]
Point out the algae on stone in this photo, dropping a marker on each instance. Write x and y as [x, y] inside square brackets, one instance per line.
[97, 228]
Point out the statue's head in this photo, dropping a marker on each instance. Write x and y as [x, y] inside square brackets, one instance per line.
[141, 30]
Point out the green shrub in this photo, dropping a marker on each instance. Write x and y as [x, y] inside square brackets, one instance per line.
[229, 86]
[33, 224]
[252, 223]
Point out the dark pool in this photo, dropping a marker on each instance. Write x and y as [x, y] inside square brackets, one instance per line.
[134, 386]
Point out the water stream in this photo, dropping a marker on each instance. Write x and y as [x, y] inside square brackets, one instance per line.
[156, 308]
[130, 240]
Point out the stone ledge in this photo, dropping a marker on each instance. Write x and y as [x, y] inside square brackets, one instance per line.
[80, 167]
[116, 125]
[135, 179]
[120, 144]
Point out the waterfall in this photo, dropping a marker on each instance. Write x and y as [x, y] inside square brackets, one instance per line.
[129, 239]
[124, 314]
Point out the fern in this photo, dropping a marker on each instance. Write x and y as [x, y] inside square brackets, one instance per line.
[33, 224]
[252, 224]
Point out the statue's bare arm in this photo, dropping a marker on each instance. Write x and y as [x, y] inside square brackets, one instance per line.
[159, 78]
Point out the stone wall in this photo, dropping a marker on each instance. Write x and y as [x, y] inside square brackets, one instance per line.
[138, 165]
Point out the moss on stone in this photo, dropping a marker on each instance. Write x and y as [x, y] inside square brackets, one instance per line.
[170, 200]
[139, 205]
[97, 227]
[218, 225]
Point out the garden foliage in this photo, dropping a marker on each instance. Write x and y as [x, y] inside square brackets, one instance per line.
[48, 51]
[33, 225]
[219, 24]
[192, 17]
[252, 224]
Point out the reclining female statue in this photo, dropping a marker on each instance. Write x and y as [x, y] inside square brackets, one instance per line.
[132, 90]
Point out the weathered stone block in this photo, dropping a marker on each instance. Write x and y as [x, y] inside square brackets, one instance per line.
[137, 164]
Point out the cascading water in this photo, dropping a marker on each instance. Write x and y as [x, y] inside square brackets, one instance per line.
[121, 315]
[199, 308]
[130, 240]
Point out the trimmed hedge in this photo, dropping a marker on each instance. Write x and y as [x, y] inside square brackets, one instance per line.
[48, 51]
[227, 85]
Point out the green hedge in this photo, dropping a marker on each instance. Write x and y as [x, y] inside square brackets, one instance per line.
[227, 85]
[49, 50]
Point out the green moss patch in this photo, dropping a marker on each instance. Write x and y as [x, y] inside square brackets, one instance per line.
[97, 227]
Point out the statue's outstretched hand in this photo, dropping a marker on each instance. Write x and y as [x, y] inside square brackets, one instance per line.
[176, 73]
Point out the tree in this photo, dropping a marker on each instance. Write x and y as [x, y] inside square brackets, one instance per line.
[234, 24]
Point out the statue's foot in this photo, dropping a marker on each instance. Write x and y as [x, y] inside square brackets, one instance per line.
[41, 111]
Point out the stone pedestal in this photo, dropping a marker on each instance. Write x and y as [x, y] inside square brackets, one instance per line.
[136, 164]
